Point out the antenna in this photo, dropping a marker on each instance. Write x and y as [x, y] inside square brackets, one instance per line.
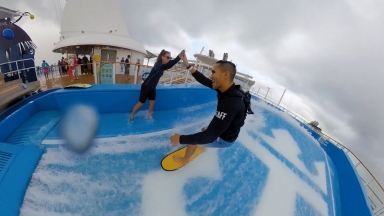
[202, 50]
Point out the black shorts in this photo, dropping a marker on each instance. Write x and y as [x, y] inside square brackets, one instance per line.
[147, 92]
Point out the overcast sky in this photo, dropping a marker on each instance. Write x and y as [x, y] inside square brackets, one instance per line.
[328, 54]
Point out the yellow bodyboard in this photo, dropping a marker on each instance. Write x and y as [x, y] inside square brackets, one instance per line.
[78, 85]
[168, 164]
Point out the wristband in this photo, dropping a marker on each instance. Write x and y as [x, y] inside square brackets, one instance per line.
[189, 66]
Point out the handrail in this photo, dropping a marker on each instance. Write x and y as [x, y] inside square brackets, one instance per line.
[9, 62]
[14, 71]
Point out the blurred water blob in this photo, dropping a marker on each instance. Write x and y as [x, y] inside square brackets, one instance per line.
[79, 127]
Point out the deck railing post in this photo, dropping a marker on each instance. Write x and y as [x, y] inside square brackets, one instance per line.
[170, 82]
[379, 210]
[281, 97]
[114, 73]
[266, 94]
[186, 77]
[95, 72]
[366, 184]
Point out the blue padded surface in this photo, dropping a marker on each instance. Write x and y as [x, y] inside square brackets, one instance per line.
[22, 103]
[352, 194]
[121, 98]
[14, 120]
[17, 164]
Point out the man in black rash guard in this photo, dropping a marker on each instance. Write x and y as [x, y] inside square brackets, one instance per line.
[148, 87]
[230, 114]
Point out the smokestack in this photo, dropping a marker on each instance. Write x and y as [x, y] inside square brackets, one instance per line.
[225, 57]
[211, 54]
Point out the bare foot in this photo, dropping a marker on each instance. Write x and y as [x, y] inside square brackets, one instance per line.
[179, 159]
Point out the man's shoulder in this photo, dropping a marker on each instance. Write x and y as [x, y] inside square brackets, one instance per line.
[232, 99]
[232, 104]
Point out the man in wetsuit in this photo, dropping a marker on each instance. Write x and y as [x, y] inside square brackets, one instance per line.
[230, 114]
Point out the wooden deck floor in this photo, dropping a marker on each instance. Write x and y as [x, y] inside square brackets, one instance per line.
[11, 92]
[88, 78]
[59, 82]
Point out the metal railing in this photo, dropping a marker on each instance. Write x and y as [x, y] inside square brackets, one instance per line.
[17, 69]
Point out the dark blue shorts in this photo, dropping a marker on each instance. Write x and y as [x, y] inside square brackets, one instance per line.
[147, 92]
[218, 143]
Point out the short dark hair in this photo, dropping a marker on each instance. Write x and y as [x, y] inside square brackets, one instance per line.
[227, 66]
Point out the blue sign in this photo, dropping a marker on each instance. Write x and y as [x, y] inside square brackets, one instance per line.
[106, 74]
[8, 34]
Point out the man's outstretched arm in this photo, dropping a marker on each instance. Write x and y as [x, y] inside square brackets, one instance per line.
[197, 74]
[201, 78]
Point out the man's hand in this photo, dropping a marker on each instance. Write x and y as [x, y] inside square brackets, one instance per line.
[175, 139]
[185, 60]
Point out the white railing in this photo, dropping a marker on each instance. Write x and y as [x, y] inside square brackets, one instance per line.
[18, 70]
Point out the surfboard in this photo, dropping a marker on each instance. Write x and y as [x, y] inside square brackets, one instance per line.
[168, 164]
[78, 85]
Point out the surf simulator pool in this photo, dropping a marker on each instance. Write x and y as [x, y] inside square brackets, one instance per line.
[276, 167]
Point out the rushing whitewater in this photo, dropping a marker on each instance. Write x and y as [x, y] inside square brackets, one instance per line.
[275, 168]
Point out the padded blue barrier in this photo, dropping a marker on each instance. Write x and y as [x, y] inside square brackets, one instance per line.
[352, 194]
[118, 98]
[115, 98]
[13, 121]
[20, 104]
[17, 164]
